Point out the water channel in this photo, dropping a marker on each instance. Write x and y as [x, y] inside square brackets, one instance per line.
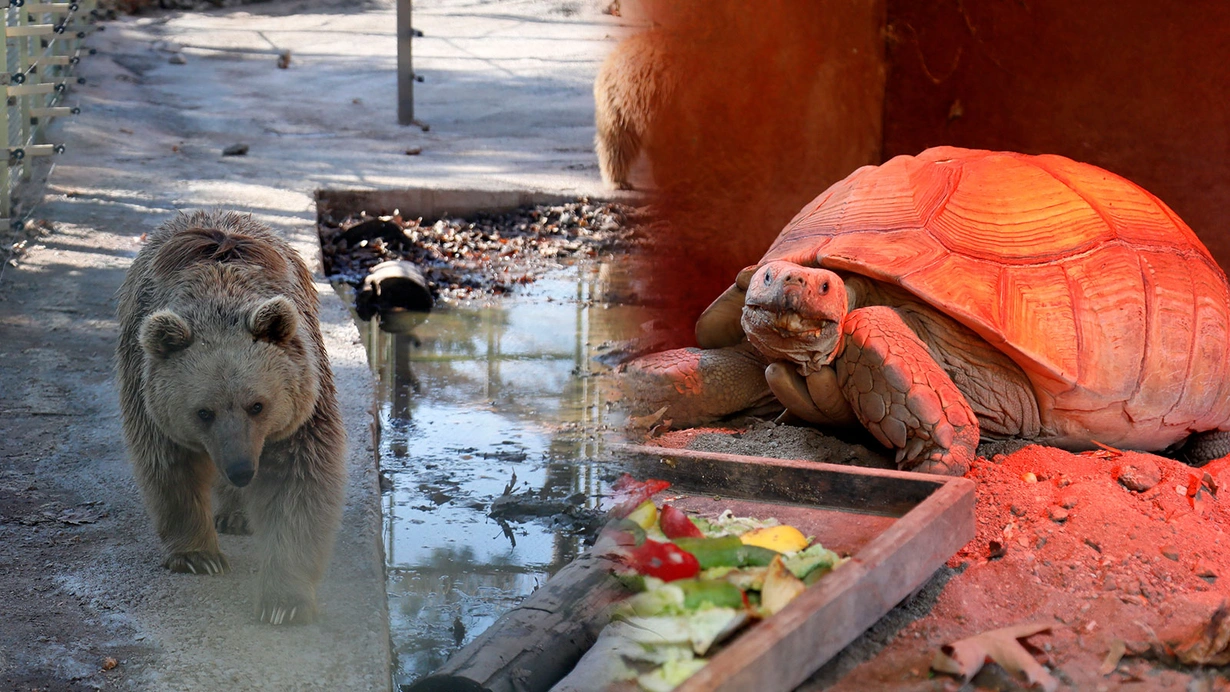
[473, 401]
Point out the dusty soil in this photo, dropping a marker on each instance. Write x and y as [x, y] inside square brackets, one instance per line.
[1102, 546]
[482, 256]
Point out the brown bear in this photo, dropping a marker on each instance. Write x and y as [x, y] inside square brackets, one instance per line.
[225, 384]
[630, 90]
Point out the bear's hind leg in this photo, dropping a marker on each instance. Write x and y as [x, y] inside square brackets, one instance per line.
[176, 486]
[230, 517]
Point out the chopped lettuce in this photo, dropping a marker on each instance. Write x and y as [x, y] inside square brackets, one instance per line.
[663, 599]
[727, 523]
[670, 675]
[815, 557]
[701, 629]
[746, 578]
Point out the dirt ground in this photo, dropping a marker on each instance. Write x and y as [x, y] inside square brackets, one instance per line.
[1101, 546]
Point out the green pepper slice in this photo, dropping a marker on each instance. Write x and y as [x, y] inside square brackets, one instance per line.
[726, 551]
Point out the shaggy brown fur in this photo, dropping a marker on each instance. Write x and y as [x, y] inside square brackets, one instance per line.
[225, 384]
[630, 90]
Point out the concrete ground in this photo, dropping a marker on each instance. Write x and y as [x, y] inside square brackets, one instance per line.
[85, 604]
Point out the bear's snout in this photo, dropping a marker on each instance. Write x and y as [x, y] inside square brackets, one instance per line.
[240, 474]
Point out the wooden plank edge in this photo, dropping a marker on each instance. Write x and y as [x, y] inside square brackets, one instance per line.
[784, 650]
[538, 642]
[625, 448]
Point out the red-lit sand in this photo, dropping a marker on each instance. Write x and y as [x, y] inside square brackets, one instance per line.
[1070, 546]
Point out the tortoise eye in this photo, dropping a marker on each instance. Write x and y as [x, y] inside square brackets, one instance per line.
[824, 287]
[768, 277]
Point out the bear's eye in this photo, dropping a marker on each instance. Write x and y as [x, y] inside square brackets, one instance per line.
[256, 408]
[824, 287]
[205, 415]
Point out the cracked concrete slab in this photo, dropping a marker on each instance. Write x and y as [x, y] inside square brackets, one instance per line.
[507, 97]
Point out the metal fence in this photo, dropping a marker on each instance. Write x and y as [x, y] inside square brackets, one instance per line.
[43, 44]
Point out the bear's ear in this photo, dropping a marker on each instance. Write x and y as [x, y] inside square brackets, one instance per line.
[274, 320]
[164, 333]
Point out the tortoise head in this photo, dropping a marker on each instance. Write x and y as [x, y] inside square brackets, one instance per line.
[795, 313]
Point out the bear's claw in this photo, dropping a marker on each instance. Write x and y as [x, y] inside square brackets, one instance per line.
[198, 562]
[287, 611]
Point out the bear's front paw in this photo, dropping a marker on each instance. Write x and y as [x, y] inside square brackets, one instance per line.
[281, 609]
[198, 562]
[234, 523]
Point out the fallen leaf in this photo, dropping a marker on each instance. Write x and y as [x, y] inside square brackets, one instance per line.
[1113, 451]
[1117, 648]
[1210, 483]
[1210, 646]
[646, 422]
[966, 657]
[996, 550]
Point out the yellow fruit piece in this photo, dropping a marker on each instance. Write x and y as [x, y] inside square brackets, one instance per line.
[645, 515]
[783, 539]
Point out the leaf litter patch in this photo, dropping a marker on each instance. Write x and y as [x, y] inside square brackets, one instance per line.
[487, 254]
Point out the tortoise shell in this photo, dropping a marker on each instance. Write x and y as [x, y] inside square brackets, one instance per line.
[1105, 298]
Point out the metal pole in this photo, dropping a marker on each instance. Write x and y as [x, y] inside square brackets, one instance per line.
[5, 197]
[405, 66]
[23, 102]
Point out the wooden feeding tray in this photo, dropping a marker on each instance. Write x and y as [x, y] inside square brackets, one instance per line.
[897, 528]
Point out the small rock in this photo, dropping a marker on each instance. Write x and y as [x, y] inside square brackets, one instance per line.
[1093, 544]
[1139, 475]
[1068, 502]
[1064, 482]
[1170, 552]
[284, 60]
[177, 59]
[109, 663]
[238, 149]
[1204, 570]
[1017, 510]
[414, 151]
[1029, 477]
[1059, 514]
[1109, 584]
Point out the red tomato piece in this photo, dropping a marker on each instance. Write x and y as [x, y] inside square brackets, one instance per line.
[666, 561]
[675, 524]
[630, 493]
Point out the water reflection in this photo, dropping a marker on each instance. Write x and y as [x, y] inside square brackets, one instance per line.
[471, 397]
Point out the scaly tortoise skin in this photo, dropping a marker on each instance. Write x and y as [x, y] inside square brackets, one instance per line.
[961, 293]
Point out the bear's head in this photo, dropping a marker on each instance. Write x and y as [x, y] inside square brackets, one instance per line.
[226, 384]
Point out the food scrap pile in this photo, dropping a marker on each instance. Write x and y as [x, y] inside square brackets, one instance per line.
[699, 580]
[488, 253]
[1123, 554]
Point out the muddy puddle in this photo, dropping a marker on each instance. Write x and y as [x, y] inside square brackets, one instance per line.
[490, 415]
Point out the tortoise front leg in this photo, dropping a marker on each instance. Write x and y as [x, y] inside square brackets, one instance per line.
[697, 386]
[1203, 447]
[902, 396]
[817, 398]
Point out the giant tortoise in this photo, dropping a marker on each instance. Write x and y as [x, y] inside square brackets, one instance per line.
[956, 294]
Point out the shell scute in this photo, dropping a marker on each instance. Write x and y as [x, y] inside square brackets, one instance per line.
[1108, 302]
[1041, 219]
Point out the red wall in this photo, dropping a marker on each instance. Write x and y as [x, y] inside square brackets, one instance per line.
[1141, 88]
[774, 102]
